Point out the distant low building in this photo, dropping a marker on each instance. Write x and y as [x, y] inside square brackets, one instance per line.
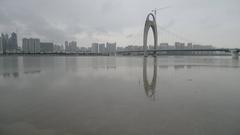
[163, 46]
[179, 45]
[58, 48]
[84, 50]
[46, 47]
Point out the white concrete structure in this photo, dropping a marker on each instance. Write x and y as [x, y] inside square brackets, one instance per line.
[150, 24]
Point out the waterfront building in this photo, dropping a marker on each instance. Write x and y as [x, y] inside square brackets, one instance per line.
[94, 48]
[4, 38]
[120, 49]
[163, 46]
[72, 47]
[31, 45]
[111, 48]
[66, 46]
[46, 47]
[189, 46]
[58, 48]
[1, 49]
[12, 43]
[101, 48]
[179, 45]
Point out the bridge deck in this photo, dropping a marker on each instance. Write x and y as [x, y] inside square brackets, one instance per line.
[179, 50]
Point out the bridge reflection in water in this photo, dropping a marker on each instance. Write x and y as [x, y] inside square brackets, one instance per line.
[150, 86]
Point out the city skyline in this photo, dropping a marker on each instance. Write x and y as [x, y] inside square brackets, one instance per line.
[122, 21]
[31, 45]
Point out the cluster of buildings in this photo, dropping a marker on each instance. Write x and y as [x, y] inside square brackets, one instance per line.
[181, 46]
[8, 43]
[102, 48]
[71, 47]
[176, 46]
[33, 45]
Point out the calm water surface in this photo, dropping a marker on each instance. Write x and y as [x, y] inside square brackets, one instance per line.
[119, 96]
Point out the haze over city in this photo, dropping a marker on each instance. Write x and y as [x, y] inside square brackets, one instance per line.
[213, 22]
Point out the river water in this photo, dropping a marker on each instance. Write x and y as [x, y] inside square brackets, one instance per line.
[167, 95]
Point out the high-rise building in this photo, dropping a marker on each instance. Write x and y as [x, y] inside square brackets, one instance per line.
[31, 45]
[101, 48]
[12, 43]
[94, 48]
[46, 47]
[111, 48]
[66, 46]
[4, 43]
[1, 49]
[73, 46]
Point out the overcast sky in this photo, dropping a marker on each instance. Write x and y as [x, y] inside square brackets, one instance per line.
[215, 22]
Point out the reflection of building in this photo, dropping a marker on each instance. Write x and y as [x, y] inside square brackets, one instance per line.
[46, 47]
[149, 87]
[31, 45]
[9, 66]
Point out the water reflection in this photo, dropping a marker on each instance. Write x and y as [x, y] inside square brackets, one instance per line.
[9, 75]
[150, 87]
[9, 67]
[14, 67]
[107, 63]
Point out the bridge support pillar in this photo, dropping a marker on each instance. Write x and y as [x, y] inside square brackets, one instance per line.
[235, 54]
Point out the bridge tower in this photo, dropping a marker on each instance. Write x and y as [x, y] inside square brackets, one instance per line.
[150, 24]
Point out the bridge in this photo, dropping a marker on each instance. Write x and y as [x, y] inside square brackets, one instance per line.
[234, 52]
[153, 25]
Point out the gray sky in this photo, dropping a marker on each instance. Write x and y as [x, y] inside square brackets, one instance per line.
[215, 22]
